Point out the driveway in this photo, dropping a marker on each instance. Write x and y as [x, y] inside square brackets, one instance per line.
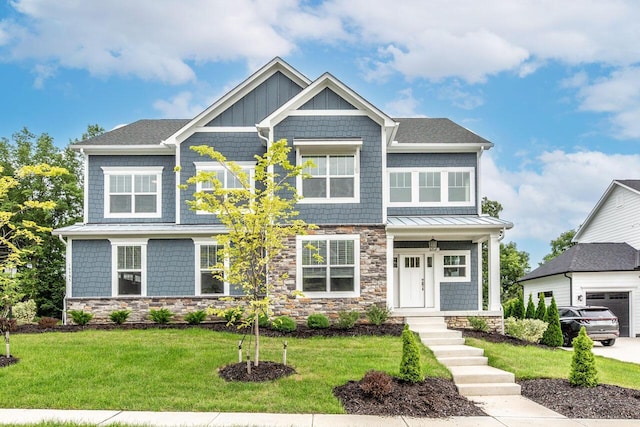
[625, 349]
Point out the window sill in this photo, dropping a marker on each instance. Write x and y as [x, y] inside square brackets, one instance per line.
[329, 295]
[309, 201]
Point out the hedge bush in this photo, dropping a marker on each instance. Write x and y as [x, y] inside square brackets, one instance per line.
[25, 312]
[530, 330]
[284, 324]
[318, 321]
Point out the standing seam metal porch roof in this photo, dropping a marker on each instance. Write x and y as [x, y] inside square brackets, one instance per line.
[447, 221]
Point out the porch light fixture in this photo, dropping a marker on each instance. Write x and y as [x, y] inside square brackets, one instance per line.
[433, 245]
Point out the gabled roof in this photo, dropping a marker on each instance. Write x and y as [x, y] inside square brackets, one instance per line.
[253, 81]
[590, 257]
[328, 81]
[435, 131]
[632, 185]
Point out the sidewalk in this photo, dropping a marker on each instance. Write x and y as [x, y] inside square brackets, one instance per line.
[504, 411]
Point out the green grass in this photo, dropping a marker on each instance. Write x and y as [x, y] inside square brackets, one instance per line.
[176, 370]
[533, 362]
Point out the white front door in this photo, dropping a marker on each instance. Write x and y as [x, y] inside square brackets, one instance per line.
[412, 269]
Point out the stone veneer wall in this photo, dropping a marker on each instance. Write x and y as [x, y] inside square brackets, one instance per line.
[496, 323]
[373, 287]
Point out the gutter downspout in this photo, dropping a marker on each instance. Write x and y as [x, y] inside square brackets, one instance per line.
[66, 280]
[570, 288]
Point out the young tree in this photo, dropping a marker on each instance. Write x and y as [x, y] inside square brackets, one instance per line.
[410, 366]
[583, 364]
[18, 236]
[560, 244]
[259, 220]
[541, 310]
[553, 335]
[531, 309]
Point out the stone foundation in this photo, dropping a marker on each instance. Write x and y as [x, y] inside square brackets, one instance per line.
[495, 323]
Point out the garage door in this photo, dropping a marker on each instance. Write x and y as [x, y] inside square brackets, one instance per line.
[618, 302]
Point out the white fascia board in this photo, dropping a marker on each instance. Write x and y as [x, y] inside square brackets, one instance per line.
[397, 147]
[238, 92]
[160, 149]
[595, 210]
[323, 82]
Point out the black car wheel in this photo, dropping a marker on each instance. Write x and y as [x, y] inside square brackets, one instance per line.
[608, 343]
[567, 339]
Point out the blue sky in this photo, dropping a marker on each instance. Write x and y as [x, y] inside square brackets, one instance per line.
[555, 85]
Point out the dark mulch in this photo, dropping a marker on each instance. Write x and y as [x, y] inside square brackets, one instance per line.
[265, 371]
[432, 398]
[603, 401]
[6, 361]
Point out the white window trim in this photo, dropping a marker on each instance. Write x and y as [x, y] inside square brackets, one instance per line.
[301, 241]
[199, 242]
[248, 167]
[143, 170]
[115, 243]
[444, 187]
[467, 265]
[330, 150]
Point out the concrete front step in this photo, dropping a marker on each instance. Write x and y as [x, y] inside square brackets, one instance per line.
[435, 322]
[431, 333]
[480, 375]
[489, 389]
[455, 351]
[463, 361]
[429, 342]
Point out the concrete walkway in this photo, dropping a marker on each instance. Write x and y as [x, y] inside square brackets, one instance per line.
[504, 411]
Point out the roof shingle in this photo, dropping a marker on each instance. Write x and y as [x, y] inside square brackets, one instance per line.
[142, 132]
[435, 131]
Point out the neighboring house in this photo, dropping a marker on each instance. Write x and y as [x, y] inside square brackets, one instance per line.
[603, 268]
[397, 202]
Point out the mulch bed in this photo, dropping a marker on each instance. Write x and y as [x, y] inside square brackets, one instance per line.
[432, 398]
[265, 371]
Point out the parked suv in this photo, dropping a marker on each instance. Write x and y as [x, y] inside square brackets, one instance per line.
[600, 322]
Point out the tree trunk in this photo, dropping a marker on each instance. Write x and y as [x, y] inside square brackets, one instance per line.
[6, 340]
[256, 327]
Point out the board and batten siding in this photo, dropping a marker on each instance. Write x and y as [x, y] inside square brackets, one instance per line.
[617, 220]
[614, 281]
[558, 284]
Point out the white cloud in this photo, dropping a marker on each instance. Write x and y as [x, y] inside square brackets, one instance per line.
[404, 105]
[556, 197]
[179, 106]
[461, 96]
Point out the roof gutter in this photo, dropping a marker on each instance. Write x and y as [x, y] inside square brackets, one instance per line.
[570, 287]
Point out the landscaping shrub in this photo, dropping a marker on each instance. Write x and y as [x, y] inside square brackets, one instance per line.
[25, 312]
[318, 321]
[518, 310]
[47, 322]
[541, 310]
[119, 316]
[531, 309]
[583, 364]
[161, 315]
[377, 315]
[233, 315]
[80, 317]
[284, 324]
[410, 367]
[478, 323]
[377, 384]
[530, 330]
[347, 319]
[506, 309]
[553, 335]
[195, 317]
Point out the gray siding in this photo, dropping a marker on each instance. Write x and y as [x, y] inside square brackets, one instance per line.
[91, 268]
[455, 296]
[96, 186]
[170, 268]
[369, 210]
[259, 103]
[327, 100]
[433, 160]
[239, 147]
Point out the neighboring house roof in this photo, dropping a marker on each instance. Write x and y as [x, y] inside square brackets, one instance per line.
[590, 257]
[630, 184]
[142, 132]
[435, 131]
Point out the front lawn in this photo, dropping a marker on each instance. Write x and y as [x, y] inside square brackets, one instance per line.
[176, 370]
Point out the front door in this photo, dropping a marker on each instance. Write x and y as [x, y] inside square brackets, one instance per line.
[412, 269]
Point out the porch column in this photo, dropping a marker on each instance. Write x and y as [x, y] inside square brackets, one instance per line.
[390, 284]
[494, 273]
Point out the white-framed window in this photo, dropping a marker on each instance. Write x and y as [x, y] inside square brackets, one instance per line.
[456, 266]
[129, 267]
[432, 187]
[328, 266]
[208, 256]
[132, 192]
[228, 180]
[334, 178]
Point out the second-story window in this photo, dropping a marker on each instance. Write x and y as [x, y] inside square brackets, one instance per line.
[132, 192]
[431, 187]
[332, 177]
[227, 179]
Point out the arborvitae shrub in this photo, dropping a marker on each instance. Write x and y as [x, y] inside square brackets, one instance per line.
[284, 324]
[541, 310]
[317, 321]
[80, 317]
[531, 309]
[161, 315]
[195, 317]
[377, 384]
[553, 335]
[507, 309]
[583, 364]
[119, 316]
[410, 367]
[518, 309]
